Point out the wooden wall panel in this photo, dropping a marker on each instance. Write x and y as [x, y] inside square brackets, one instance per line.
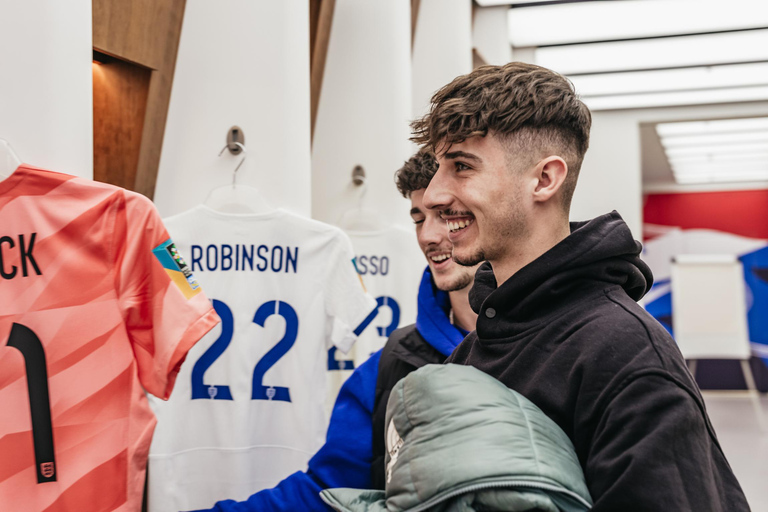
[415, 6]
[145, 32]
[120, 92]
[320, 22]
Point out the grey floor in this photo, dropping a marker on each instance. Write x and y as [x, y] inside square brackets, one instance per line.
[745, 445]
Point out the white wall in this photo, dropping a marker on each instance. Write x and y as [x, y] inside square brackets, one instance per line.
[46, 98]
[364, 111]
[241, 63]
[442, 49]
[611, 177]
[490, 33]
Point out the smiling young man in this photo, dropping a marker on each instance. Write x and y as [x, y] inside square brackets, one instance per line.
[558, 321]
[353, 454]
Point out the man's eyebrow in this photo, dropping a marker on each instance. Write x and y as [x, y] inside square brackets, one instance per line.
[415, 211]
[462, 154]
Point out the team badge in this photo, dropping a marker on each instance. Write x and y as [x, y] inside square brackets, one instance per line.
[176, 268]
[359, 276]
[47, 469]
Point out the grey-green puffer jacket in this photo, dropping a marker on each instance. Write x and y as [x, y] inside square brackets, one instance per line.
[459, 440]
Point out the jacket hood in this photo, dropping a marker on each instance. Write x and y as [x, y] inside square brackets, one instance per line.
[458, 439]
[598, 253]
[432, 320]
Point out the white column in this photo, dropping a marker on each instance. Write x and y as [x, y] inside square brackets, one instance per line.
[46, 92]
[241, 63]
[610, 177]
[442, 49]
[365, 109]
[490, 34]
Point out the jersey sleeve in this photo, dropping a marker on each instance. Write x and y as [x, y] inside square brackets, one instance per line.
[164, 309]
[347, 301]
[343, 461]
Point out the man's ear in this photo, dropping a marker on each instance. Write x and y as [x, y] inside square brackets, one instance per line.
[551, 173]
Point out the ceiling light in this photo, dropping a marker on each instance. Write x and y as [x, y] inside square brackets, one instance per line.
[742, 167]
[730, 95]
[705, 158]
[629, 19]
[718, 126]
[722, 178]
[723, 149]
[669, 52]
[490, 3]
[714, 138]
[665, 80]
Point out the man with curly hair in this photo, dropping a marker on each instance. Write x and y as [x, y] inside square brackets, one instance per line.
[558, 321]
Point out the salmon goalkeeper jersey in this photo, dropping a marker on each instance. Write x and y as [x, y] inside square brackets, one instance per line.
[96, 306]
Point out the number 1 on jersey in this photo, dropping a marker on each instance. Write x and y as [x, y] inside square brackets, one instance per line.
[25, 341]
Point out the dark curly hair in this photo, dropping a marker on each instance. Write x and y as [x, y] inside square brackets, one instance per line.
[416, 172]
[534, 110]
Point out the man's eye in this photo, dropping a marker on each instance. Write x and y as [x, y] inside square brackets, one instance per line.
[461, 166]
[418, 221]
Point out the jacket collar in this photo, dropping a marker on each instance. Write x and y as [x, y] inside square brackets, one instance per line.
[596, 255]
[432, 318]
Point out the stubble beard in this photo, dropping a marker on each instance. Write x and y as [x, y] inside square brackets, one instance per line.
[514, 226]
[459, 283]
[471, 260]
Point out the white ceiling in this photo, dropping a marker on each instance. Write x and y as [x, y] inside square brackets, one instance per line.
[630, 54]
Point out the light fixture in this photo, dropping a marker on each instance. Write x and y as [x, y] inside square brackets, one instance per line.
[703, 139]
[665, 99]
[668, 80]
[669, 52]
[709, 157]
[717, 126]
[579, 22]
[721, 149]
[492, 3]
[717, 151]
[695, 180]
[720, 167]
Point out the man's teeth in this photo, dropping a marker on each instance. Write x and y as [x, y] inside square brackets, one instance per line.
[457, 225]
[440, 257]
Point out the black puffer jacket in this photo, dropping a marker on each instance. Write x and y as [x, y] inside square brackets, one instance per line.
[566, 333]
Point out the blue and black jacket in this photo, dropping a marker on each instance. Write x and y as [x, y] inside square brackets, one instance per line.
[353, 453]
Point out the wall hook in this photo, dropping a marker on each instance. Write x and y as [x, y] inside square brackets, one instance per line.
[358, 175]
[235, 136]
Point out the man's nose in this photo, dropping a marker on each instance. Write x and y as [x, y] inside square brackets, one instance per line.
[437, 196]
[433, 231]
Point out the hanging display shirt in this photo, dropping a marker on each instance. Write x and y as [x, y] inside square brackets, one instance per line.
[391, 264]
[248, 407]
[96, 306]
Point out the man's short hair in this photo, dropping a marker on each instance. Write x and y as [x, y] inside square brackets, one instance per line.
[532, 109]
[416, 172]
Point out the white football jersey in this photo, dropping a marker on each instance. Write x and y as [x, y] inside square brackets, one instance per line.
[248, 407]
[391, 265]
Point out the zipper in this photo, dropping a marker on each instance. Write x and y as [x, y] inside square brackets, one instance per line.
[515, 483]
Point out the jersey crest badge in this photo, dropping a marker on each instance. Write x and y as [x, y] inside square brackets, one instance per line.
[47, 469]
[359, 275]
[176, 268]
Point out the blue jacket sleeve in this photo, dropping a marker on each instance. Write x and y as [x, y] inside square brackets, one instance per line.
[343, 461]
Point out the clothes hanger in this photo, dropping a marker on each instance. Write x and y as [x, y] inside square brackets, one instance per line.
[361, 218]
[9, 161]
[236, 198]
